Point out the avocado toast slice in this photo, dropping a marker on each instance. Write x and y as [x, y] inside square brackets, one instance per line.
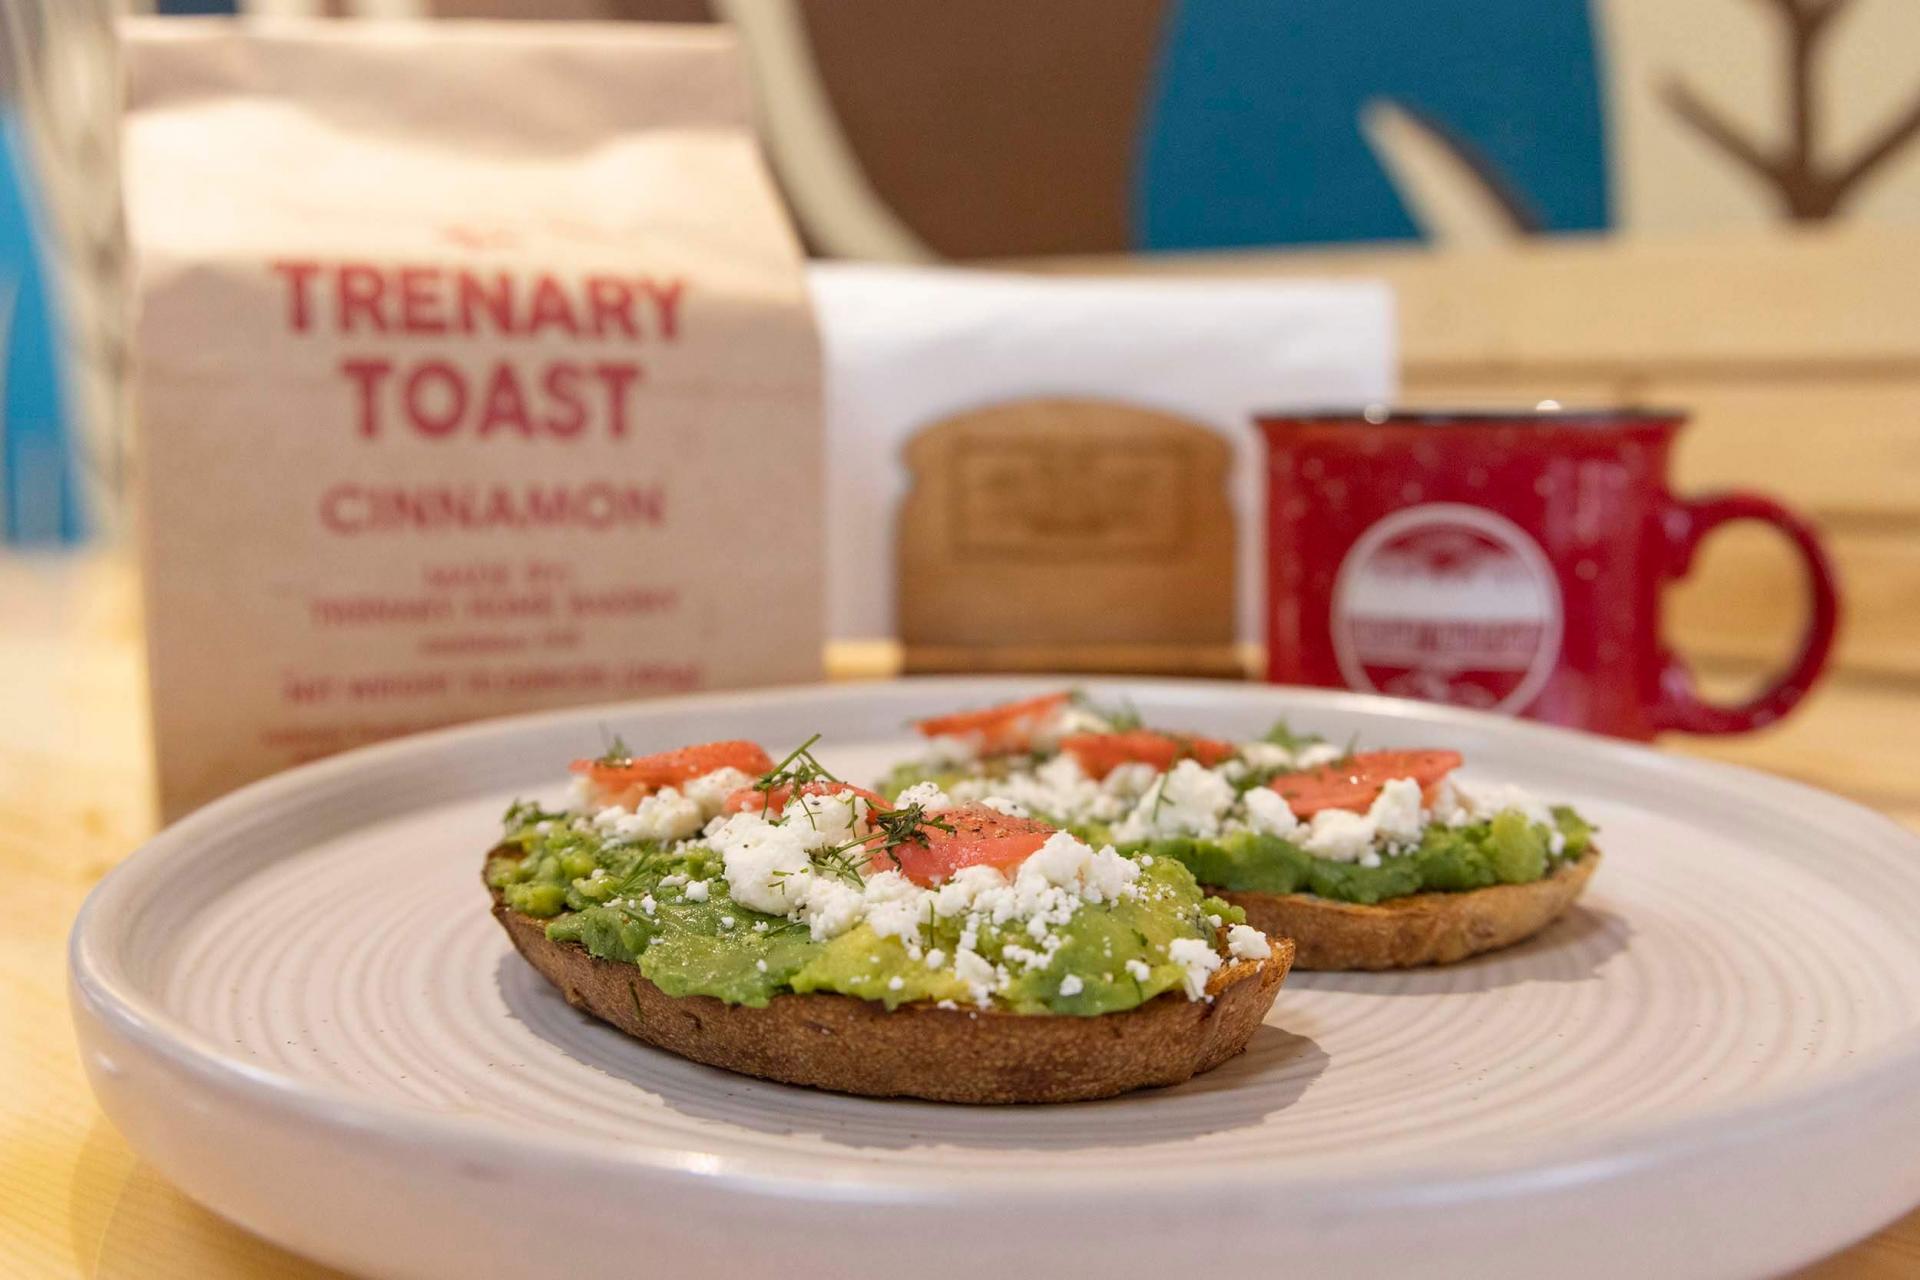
[1418, 928]
[1367, 860]
[772, 920]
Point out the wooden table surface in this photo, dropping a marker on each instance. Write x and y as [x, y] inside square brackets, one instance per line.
[74, 777]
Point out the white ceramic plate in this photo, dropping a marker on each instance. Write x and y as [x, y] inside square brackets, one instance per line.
[295, 1004]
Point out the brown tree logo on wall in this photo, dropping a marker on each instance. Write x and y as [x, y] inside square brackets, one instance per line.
[1808, 186]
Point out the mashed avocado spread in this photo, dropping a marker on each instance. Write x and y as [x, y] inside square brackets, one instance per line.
[1506, 849]
[1226, 824]
[1013, 941]
[1046, 857]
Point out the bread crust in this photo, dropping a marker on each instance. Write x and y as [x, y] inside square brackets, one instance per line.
[1420, 929]
[849, 1045]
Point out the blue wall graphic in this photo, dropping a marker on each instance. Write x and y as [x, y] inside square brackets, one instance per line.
[39, 454]
[1253, 130]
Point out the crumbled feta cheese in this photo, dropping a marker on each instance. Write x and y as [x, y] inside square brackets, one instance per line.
[896, 983]
[1061, 790]
[1012, 808]
[761, 965]
[927, 795]
[1070, 863]
[1317, 754]
[1128, 781]
[1196, 959]
[1139, 970]
[949, 748]
[830, 906]
[1395, 812]
[972, 969]
[764, 863]
[831, 818]
[768, 866]
[664, 815]
[647, 904]
[1047, 731]
[697, 890]
[963, 888]
[1394, 819]
[1025, 957]
[1072, 985]
[1268, 814]
[1042, 789]
[1461, 801]
[1244, 942]
[710, 790]
[1266, 755]
[767, 859]
[893, 905]
[1339, 835]
[1189, 799]
[726, 922]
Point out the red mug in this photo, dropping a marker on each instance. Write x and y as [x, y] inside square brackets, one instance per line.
[1509, 561]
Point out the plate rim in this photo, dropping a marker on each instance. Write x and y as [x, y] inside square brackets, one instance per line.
[97, 985]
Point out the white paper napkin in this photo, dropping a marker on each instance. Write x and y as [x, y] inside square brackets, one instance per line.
[909, 346]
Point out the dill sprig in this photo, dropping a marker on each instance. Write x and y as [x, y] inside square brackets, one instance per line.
[644, 867]
[896, 827]
[799, 768]
[1159, 796]
[892, 828]
[839, 862]
[617, 752]
[1345, 758]
[1282, 735]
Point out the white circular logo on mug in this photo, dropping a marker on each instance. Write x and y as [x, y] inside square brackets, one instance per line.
[1448, 603]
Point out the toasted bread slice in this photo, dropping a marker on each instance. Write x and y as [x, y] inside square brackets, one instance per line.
[1420, 929]
[918, 1050]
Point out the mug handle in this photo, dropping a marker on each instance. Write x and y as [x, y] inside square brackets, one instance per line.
[1687, 524]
